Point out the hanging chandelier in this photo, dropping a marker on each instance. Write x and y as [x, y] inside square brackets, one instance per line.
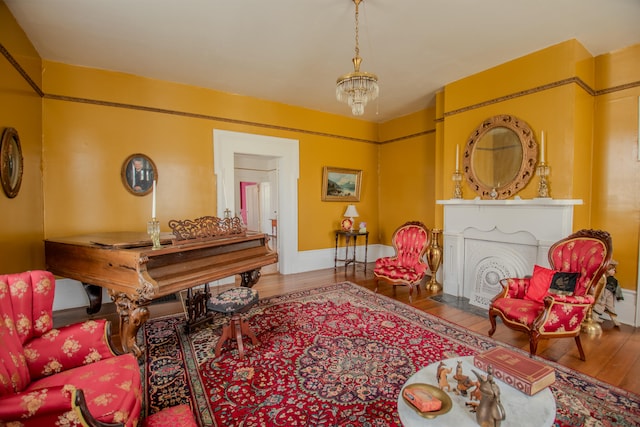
[359, 87]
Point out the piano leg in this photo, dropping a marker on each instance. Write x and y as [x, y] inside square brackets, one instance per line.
[196, 304]
[250, 278]
[95, 297]
[132, 317]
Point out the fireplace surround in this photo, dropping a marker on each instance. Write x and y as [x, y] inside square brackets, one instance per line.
[487, 240]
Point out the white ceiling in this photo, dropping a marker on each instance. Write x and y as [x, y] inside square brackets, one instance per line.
[292, 51]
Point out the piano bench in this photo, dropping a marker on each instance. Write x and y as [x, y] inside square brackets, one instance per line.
[233, 302]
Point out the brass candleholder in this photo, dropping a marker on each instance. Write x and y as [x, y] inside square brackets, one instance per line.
[457, 180]
[434, 258]
[153, 229]
[543, 186]
[589, 325]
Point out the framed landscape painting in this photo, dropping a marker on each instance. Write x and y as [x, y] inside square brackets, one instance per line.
[341, 185]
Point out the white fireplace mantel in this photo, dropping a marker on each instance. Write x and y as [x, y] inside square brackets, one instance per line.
[486, 240]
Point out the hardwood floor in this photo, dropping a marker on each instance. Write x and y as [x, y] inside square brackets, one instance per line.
[613, 357]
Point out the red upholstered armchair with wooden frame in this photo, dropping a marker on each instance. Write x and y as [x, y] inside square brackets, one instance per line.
[407, 267]
[553, 302]
[68, 376]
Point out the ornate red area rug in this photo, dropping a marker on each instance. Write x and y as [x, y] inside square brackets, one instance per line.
[333, 356]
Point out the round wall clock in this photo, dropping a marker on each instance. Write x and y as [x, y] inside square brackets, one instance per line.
[10, 162]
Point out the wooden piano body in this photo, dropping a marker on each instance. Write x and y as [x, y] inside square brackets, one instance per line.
[135, 274]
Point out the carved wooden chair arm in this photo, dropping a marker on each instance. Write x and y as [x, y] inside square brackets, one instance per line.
[80, 403]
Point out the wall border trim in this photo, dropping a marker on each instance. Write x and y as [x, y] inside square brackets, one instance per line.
[20, 70]
[571, 80]
[552, 85]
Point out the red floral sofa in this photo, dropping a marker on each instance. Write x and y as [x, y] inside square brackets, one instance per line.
[70, 376]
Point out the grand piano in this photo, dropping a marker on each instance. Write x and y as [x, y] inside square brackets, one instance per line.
[135, 274]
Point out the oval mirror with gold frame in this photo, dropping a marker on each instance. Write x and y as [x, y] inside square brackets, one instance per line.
[500, 157]
[11, 162]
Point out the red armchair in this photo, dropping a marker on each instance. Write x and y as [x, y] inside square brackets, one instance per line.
[554, 302]
[68, 376]
[407, 266]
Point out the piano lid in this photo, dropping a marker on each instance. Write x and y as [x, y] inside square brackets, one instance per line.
[115, 239]
[128, 239]
[136, 239]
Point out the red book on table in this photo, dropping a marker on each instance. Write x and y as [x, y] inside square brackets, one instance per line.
[516, 370]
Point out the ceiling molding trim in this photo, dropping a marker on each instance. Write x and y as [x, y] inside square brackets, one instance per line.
[20, 70]
[414, 135]
[202, 116]
[618, 88]
[548, 86]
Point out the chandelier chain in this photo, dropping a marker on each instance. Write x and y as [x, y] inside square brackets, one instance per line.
[358, 87]
[357, 2]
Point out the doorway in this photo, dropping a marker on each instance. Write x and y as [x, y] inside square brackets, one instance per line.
[252, 207]
[284, 154]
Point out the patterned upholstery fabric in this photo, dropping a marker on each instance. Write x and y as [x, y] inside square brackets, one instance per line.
[175, 416]
[232, 303]
[406, 267]
[520, 311]
[586, 252]
[233, 300]
[41, 367]
[584, 256]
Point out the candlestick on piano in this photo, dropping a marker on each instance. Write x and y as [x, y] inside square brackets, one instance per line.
[153, 202]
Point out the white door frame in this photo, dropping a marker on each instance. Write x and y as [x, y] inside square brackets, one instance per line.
[225, 145]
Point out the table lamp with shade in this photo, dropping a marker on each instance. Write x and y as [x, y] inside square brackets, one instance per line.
[349, 214]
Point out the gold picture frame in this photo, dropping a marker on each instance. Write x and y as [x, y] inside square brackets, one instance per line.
[11, 162]
[138, 173]
[341, 185]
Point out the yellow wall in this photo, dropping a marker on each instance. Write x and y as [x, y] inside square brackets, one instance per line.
[588, 109]
[21, 218]
[616, 169]
[407, 172]
[90, 120]
[543, 96]
[93, 121]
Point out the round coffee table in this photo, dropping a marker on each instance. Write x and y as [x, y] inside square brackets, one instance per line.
[521, 409]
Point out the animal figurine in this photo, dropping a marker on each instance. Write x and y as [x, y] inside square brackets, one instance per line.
[475, 394]
[458, 376]
[442, 373]
[464, 382]
[489, 412]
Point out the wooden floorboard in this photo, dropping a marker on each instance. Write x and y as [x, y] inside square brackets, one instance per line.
[613, 357]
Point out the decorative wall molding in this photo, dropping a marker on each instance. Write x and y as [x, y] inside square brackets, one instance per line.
[572, 80]
[21, 70]
[39, 92]
[526, 92]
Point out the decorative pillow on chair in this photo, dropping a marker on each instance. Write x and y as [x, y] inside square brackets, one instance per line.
[564, 283]
[539, 283]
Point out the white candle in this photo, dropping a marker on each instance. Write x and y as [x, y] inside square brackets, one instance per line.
[224, 191]
[153, 202]
[457, 157]
[541, 146]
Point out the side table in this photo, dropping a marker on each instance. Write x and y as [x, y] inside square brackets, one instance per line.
[350, 238]
[521, 409]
